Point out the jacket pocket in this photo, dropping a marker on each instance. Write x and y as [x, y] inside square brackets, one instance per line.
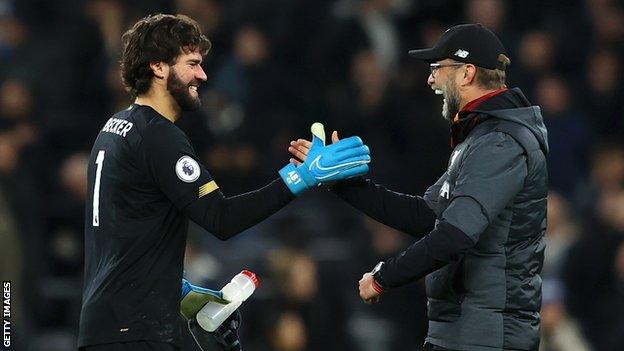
[445, 292]
[443, 310]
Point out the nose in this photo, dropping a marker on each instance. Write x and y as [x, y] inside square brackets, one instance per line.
[201, 75]
[430, 79]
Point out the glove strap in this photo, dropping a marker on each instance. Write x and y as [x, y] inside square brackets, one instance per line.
[290, 175]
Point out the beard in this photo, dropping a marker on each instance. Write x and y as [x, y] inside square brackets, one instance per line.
[450, 106]
[181, 94]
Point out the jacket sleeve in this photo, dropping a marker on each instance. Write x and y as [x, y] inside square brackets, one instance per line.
[407, 213]
[491, 174]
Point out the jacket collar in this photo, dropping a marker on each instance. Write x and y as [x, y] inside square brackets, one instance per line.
[464, 121]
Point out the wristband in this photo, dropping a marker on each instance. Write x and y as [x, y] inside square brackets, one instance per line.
[378, 283]
[293, 180]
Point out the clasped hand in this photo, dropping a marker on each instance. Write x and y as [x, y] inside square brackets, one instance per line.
[341, 160]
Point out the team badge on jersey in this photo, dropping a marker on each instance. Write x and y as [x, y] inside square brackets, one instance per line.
[187, 169]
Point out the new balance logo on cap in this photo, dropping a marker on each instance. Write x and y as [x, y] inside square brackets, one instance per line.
[461, 53]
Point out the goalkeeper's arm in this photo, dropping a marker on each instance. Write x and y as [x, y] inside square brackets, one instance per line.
[225, 217]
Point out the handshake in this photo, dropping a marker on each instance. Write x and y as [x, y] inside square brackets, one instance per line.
[342, 159]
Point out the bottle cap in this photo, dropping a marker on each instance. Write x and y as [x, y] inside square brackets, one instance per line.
[251, 276]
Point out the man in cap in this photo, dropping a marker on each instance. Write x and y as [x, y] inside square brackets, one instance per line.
[482, 223]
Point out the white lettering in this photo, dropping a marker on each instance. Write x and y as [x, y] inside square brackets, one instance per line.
[105, 129]
[120, 127]
[117, 126]
[7, 334]
[127, 129]
[114, 125]
[6, 313]
[294, 177]
[444, 192]
[6, 300]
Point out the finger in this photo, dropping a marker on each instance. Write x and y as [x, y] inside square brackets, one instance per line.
[305, 143]
[354, 171]
[295, 162]
[347, 143]
[298, 154]
[335, 137]
[374, 299]
[302, 148]
[318, 134]
[358, 152]
[352, 162]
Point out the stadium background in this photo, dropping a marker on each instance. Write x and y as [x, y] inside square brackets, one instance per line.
[276, 66]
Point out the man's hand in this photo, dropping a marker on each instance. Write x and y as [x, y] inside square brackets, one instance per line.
[301, 147]
[224, 338]
[195, 297]
[341, 160]
[368, 289]
[227, 333]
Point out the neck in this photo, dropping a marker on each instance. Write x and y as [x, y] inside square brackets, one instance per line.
[473, 94]
[161, 101]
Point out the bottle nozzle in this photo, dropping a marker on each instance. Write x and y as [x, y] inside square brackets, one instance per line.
[251, 275]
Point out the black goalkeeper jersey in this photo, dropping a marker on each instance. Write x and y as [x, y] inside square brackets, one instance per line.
[142, 173]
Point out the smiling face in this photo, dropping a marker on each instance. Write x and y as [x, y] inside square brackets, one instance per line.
[443, 81]
[185, 76]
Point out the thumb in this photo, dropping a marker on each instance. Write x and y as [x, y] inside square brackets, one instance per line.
[318, 135]
[335, 137]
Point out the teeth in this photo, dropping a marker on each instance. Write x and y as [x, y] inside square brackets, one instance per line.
[193, 88]
[438, 92]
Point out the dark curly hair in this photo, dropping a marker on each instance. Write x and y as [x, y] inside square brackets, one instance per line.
[157, 38]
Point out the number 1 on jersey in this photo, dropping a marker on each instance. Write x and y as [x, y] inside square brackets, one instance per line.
[99, 161]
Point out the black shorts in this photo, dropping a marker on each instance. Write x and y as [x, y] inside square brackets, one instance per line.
[132, 346]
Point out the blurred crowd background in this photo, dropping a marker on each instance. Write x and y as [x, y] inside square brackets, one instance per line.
[275, 67]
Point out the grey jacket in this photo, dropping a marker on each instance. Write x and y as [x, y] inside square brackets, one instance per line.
[495, 191]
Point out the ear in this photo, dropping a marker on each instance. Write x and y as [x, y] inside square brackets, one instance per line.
[159, 69]
[470, 73]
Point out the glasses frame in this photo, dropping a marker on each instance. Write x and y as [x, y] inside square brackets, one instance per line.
[434, 67]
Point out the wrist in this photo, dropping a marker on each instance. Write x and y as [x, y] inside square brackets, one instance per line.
[293, 179]
[379, 285]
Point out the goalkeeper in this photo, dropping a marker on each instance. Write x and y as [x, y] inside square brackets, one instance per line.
[146, 181]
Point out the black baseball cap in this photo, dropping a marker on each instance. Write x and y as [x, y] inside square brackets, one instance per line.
[469, 43]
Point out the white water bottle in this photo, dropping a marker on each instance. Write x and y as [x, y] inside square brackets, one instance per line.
[212, 315]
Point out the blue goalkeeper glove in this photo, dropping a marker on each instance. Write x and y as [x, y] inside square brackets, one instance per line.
[341, 160]
[195, 297]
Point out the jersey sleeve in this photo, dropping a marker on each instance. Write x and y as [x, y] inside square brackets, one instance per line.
[173, 165]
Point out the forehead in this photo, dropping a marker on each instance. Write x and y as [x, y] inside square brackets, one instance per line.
[189, 56]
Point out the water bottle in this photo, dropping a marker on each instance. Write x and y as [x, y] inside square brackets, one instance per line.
[236, 291]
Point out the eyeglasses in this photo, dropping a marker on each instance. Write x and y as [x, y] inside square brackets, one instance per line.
[434, 67]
